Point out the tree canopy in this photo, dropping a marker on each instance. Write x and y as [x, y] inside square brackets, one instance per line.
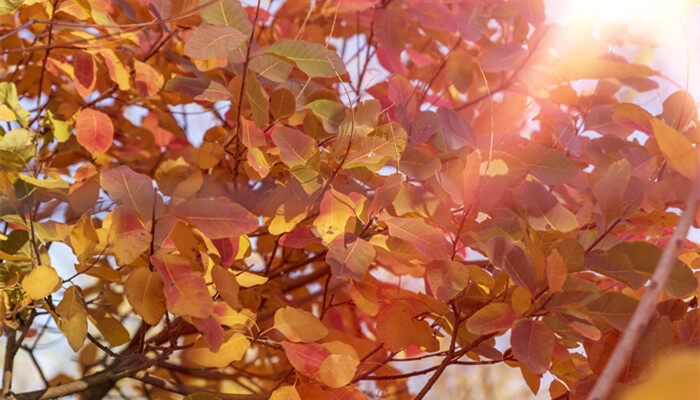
[378, 181]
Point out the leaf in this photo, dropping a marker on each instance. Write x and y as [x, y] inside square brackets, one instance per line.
[73, 315]
[337, 370]
[550, 166]
[185, 290]
[419, 163]
[312, 58]
[491, 318]
[633, 116]
[446, 279]
[94, 130]
[331, 113]
[349, 256]
[200, 89]
[226, 285]
[128, 236]
[609, 191]
[672, 377]
[227, 12]
[132, 190]
[296, 148]
[574, 68]
[678, 150]
[249, 279]
[532, 343]
[110, 328]
[233, 349]
[679, 109]
[427, 239]
[8, 6]
[208, 41]
[51, 183]
[503, 58]
[335, 212]
[616, 308]
[40, 282]
[513, 260]
[84, 72]
[282, 103]
[556, 271]
[544, 210]
[144, 291]
[298, 325]
[285, 393]
[218, 218]
[305, 357]
[148, 80]
[394, 328]
[259, 101]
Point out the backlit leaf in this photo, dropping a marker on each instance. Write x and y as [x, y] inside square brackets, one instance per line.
[491, 318]
[209, 41]
[94, 130]
[40, 282]
[349, 256]
[233, 349]
[532, 343]
[144, 291]
[217, 218]
[298, 325]
[312, 58]
[678, 150]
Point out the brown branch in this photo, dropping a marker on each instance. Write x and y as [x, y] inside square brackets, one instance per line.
[647, 305]
[80, 385]
[184, 390]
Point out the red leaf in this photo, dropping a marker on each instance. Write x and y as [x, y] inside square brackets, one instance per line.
[185, 290]
[305, 357]
[218, 218]
[94, 130]
[349, 256]
[426, 238]
[84, 73]
[532, 343]
[493, 317]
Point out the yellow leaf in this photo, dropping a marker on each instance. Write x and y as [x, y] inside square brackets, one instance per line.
[674, 377]
[248, 279]
[233, 349]
[337, 370]
[40, 282]
[73, 318]
[678, 150]
[144, 291]
[285, 393]
[299, 326]
[110, 328]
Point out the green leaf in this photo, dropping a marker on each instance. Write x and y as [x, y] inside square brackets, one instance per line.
[52, 183]
[331, 113]
[616, 308]
[313, 59]
[227, 12]
[259, 101]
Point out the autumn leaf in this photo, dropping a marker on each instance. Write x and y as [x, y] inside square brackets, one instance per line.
[298, 325]
[144, 291]
[209, 41]
[94, 130]
[40, 282]
[532, 343]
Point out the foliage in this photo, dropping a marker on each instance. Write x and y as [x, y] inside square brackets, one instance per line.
[334, 221]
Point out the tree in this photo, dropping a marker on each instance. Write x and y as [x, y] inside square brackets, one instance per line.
[376, 175]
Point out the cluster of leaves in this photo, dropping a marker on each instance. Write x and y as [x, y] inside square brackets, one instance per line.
[330, 227]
